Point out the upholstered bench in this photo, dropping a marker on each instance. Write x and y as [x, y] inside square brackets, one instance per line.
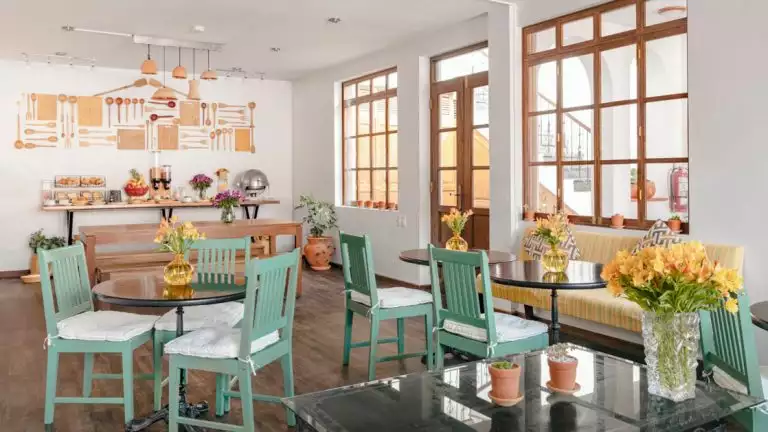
[599, 305]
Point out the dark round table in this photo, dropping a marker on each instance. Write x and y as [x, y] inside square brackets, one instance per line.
[578, 275]
[421, 256]
[759, 312]
[152, 291]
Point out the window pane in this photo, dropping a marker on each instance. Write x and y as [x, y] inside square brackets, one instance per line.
[542, 188]
[618, 21]
[616, 191]
[350, 91]
[364, 185]
[447, 106]
[363, 88]
[393, 150]
[351, 149]
[666, 129]
[363, 152]
[393, 113]
[542, 132]
[619, 74]
[379, 115]
[579, 189]
[448, 187]
[618, 134]
[481, 188]
[578, 31]
[670, 184]
[393, 186]
[480, 105]
[447, 149]
[461, 65]
[364, 118]
[350, 118]
[578, 81]
[350, 183]
[667, 66]
[659, 11]
[577, 136]
[379, 83]
[481, 147]
[543, 87]
[379, 186]
[392, 80]
[380, 151]
[542, 41]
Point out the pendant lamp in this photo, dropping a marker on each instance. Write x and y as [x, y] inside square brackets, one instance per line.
[179, 72]
[164, 93]
[209, 74]
[149, 67]
[194, 85]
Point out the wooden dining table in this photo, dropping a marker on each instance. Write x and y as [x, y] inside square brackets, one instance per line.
[94, 236]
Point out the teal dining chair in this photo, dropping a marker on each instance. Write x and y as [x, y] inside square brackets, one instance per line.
[362, 297]
[728, 347]
[266, 335]
[72, 326]
[461, 324]
[215, 263]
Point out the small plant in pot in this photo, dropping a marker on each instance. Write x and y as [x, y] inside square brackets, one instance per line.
[617, 221]
[321, 217]
[562, 368]
[674, 223]
[505, 382]
[37, 241]
[528, 214]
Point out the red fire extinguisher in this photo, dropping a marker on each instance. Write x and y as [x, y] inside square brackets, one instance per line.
[678, 194]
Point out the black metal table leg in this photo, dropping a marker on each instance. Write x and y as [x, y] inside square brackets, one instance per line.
[170, 212]
[555, 338]
[247, 213]
[70, 215]
[255, 211]
[162, 213]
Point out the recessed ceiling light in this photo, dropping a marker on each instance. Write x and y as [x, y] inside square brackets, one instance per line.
[334, 20]
[60, 53]
[275, 49]
[198, 28]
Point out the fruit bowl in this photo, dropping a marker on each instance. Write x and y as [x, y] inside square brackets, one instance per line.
[136, 191]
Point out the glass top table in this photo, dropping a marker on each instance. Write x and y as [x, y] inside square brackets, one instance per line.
[613, 397]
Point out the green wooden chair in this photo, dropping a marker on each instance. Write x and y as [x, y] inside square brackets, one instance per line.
[364, 298]
[461, 325]
[728, 344]
[215, 264]
[72, 326]
[265, 336]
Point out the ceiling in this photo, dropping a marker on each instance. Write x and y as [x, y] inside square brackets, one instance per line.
[249, 28]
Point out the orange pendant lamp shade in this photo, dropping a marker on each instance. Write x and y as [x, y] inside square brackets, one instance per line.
[149, 67]
[164, 93]
[209, 74]
[179, 72]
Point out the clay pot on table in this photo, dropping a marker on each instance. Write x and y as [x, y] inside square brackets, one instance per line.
[505, 383]
[318, 252]
[562, 374]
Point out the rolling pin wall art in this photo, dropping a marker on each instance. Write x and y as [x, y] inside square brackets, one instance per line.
[114, 119]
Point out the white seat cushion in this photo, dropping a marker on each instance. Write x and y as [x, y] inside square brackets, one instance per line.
[395, 297]
[109, 326]
[508, 328]
[197, 317]
[216, 342]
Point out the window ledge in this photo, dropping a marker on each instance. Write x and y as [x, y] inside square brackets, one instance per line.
[629, 224]
[368, 209]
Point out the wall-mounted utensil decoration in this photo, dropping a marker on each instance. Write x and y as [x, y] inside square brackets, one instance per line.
[214, 106]
[212, 135]
[119, 102]
[34, 111]
[127, 107]
[33, 131]
[189, 113]
[154, 117]
[72, 102]
[65, 127]
[223, 105]
[186, 135]
[167, 137]
[232, 122]
[188, 141]
[224, 112]
[242, 140]
[218, 139]
[90, 143]
[170, 104]
[109, 101]
[241, 119]
[131, 139]
[90, 111]
[141, 82]
[204, 106]
[141, 101]
[31, 146]
[50, 138]
[187, 147]
[28, 98]
[18, 144]
[62, 101]
[231, 132]
[134, 101]
[252, 106]
[47, 107]
[151, 109]
[47, 124]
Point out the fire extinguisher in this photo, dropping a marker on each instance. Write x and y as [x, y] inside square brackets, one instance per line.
[678, 194]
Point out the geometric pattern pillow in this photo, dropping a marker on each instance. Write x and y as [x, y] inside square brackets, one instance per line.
[659, 235]
[536, 246]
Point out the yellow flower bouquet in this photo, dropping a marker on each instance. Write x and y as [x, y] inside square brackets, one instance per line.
[553, 230]
[456, 221]
[672, 285]
[177, 238]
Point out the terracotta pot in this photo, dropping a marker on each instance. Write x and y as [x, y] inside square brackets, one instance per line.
[529, 215]
[674, 224]
[34, 265]
[392, 206]
[318, 252]
[353, 203]
[563, 374]
[368, 204]
[617, 221]
[358, 203]
[650, 190]
[505, 383]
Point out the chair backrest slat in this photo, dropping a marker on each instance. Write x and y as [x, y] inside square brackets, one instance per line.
[70, 282]
[357, 261]
[728, 341]
[270, 298]
[216, 258]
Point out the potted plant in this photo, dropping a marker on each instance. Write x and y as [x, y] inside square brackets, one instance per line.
[227, 201]
[38, 240]
[505, 381]
[456, 222]
[553, 230]
[617, 221]
[201, 183]
[672, 285]
[528, 214]
[674, 222]
[562, 368]
[177, 238]
[321, 217]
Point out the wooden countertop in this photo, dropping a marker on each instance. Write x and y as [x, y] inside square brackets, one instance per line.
[139, 231]
[149, 205]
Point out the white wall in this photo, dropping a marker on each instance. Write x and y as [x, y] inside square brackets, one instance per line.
[22, 171]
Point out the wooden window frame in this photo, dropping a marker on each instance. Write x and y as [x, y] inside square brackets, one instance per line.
[637, 37]
[384, 95]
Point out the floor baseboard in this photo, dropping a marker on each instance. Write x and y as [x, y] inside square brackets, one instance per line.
[13, 274]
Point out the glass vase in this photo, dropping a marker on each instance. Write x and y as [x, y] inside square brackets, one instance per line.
[228, 215]
[671, 346]
[178, 272]
[201, 194]
[457, 243]
[555, 260]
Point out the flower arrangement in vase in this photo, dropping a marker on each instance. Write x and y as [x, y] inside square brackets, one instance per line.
[674, 223]
[227, 201]
[672, 285]
[201, 183]
[553, 230]
[505, 383]
[456, 222]
[321, 217]
[177, 238]
[562, 368]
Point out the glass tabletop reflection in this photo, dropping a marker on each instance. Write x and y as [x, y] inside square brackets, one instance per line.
[613, 397]
[531, 274]
[152, 291]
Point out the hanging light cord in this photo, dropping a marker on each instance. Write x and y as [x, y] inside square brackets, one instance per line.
[164, 67]
[149, 54]
[193, 63]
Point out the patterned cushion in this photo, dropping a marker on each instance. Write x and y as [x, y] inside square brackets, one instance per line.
[508, 328]
[196, 317]
[216, 342]
[395, 297]
[536, 247]
[112, 326]
[658, 235]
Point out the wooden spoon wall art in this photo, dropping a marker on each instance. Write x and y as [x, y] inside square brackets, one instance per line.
[48, 124]
[141, 101]
[62, 101]
[18, 143]
[33, 146]
[34, 106]
[35, 131]
[91, 143]
[213, 107]
[119, 102]
[187, 147]
[28, 99]
[135, 102]
[127, 108]
[204, 107]
[141, 82]
[170, 104]
[159, 109]
[50, 138]
[252, 106]
[109, 102]
[223, 105]
[225, 113]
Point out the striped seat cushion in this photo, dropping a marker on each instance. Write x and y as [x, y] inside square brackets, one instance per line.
[508, 328]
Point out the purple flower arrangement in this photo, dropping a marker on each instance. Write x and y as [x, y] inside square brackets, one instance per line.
[201, 182]
[228, 199]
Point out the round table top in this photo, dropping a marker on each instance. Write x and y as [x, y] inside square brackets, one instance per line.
[421, 256]
[152, 291]
[760, 314]
[531, 274]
